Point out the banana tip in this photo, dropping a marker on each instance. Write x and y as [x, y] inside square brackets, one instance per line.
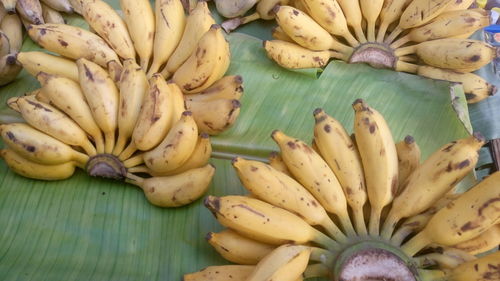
[273, 154]
[209, 236]
[276, 8]
[493, 91]
[212, 203]
[360, 105]
[236, 103]
[187, 113]
[275, 134]
[264, 42]
[204, 135]
[11, 59]
[238, 79]
[479, 137]
[234, 160]
[409, 139]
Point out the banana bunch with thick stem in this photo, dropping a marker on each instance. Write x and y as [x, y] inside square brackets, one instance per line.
[424, 37]
[136, 130]
[316, 210]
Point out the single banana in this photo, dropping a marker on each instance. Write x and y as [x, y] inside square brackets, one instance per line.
[198, 22]
[221, 273]
[281, 190]
[482, 269]
[9, 69]
[371, 10]
[72, 42]
[263, 10]
[177, 190]
[29, 169]
[51, 16]
[437, 175]
[285, 263]
[445, 258]
[293, 56]
[59, 5]
[12, 27]
[109, 25]
[133, 88]
[35, 62]
[177, 101]
[379, 158]
[278, 34]
[9, 5]
[228, 87]
[464, 218]
[170, 24]
[329, 15]
[485, 242]
[476, 88]
[338, 150]
[264, 222]
[420, 12]
[53, 122]
[30, 10]
[233, 8]
[276, 161]
[390, 13]
[215, 116]
[67, 96]
[38, 147]
[102, 96]
[313, 173]
[176, 147]
[408, 158]
[237, 248]
[352, 12]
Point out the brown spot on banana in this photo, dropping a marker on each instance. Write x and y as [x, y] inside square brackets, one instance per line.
[38, 106]
[474, 58]
[486, 205]
[88, 73]
[62, 42]
[469, 226]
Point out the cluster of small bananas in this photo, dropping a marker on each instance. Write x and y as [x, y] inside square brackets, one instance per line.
[305, 214]
[425, 37]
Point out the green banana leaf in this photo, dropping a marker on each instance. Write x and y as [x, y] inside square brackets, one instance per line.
[95, 229]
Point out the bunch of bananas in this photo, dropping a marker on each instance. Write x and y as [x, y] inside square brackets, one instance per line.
[188, 49]
[425, 37]
[357, 207]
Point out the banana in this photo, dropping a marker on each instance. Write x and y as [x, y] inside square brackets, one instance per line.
[482, 269]
[338, 150]
[458, 5]
[263, 10]
[437, 175]
[379, 158]
[313, 173]
[133, 88]
[59, 5]
[420, 12]
[177, 101]
[446, 25]
[352, 12]
[283, 191]
[464, 218]
[33, 170]
[278, 34]
[72, 42]
[264, 222]
[221, 273]
[103, 99]
[170, 24]
[38, 147]
[329, 15]
[175, 148]
[390, 13]
[215, 116]
[12, 27]
[67, 95]
[9, 69]
[306, 32]
[51, 16]
[228, 87]
[445, 258]
[9, 5]
[371, 10]
[140, 20]
[30, 10]
[198, 22]
[475, 87]
[276, 161]
[177, 190]
[408, 158]
[285, 263]
[237, 248]
[482, 243]
[53, 122]
[109, 25]
[233, 8]
[35, 62]
[293, 56]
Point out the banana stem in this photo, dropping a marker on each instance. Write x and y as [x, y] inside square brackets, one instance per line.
[393, 34]
[89, 148]
[134, 161]
[316, 270]
[80, 158]
[406, 67]
[408, 58]
[342, 48]
[131, 148]
[347, 224]
[400, 235]
[323, 256]
[405, 51]
[371, 31]
[326, 241]
[351, 39]
[432, 275]
[109, 141]
[338, 55]
[144, 63]
[120, 144]
[417, 243]
[359, 221]
[401, 41]
[374, 224]
[360, 34]
[164, 72]
[231, 24]
[333, 230]
[99, 142]
[79, 165]
[382, 29]
[138, 169]
[389, 225]
[133, 179]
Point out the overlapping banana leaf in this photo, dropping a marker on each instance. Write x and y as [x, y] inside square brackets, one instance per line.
[95, 229]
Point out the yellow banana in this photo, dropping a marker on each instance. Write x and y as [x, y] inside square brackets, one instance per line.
[12, 27]
[476, 88]
[437, 175]
[169, 26]
[9, 69]
[51, 16]
[177, 190]
[338, 150]
[422, 11]
[445, 258]
[215, 116]
[133, 88]
[221, 273]
[30, 10]
[9, 5]
[35, 62]
[228, 87]
[177, 101]
[379, 158]
[264, 222]
[408, 158]
[67, 95]
[352, 12]
[371, 10]
[140, 20]
[283, 191]
[53, 122]
[38, 147]
[72, 42]
[102, 96]
[58, 5]
[237, 248]
[233, 8]
[482, 269]
[285, 263]
[482, 243]
[313, 173]
[175, 148]
[458, 5]
[278, 34]
[198, 22]
[33, 170]
[276, 161]
[391, 12]
[464, 218]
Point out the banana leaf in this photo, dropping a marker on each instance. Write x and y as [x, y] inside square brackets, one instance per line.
[87, 228]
